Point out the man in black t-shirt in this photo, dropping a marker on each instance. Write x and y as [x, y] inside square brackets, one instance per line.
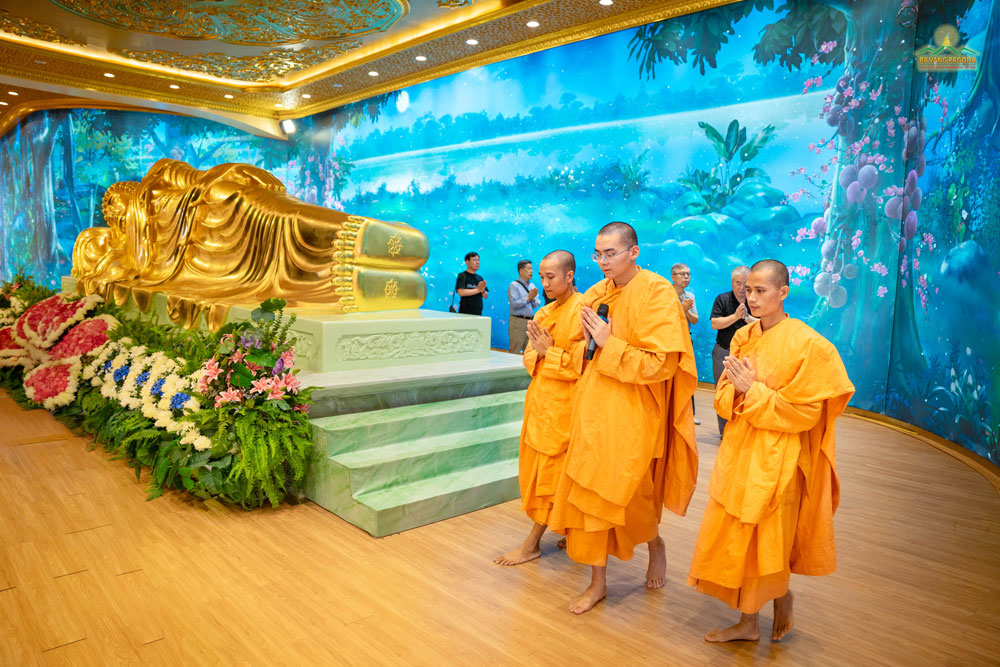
[729, 314]
[471, 287]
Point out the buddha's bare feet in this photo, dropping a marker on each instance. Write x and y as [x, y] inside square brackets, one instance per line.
[586, 600]
[745, 630]
[522, 554]
[783, 621]
[561, 543]
[657, 570]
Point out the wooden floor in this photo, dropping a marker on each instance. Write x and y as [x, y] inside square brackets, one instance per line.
[91, 574]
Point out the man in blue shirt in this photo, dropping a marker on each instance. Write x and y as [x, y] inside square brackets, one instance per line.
[523, 298]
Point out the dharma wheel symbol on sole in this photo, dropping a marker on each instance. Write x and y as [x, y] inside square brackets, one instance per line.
[391, 289]
[395, 245]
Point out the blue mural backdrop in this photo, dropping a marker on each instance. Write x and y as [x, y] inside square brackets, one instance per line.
[802, 132]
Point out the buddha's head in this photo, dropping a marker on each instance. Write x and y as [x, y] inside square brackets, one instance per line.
[115, 205]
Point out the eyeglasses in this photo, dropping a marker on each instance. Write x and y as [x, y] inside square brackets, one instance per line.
[607, 257]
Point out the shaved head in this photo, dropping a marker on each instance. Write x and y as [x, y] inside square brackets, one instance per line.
[622, 230]
[563, 258]
[776, 271]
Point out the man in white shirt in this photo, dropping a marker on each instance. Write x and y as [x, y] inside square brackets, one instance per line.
[523, 298]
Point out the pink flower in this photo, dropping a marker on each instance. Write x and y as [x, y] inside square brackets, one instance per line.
[275, 393]
[262, 386]
[211, 369]
[882, 290]
[288, 356]
[290, 382]
[238, 356]
[229, 396]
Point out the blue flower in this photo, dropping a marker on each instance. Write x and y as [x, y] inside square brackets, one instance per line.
[107, 366]
[178, 401]
[157, 388]
[141, 380]
[121, 374]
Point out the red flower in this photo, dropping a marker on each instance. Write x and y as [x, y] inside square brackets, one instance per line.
[82, 339]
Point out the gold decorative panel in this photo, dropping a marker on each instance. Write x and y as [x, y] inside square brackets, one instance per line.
[264, 68]
[454, 4]
[254, 22]
[26, 27]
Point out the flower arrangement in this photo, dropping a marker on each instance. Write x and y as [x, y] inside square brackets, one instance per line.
[11, 305]
[221, 416]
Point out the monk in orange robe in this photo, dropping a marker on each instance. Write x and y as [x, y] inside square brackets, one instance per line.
[554, 357]
[774, 486]
[632, 447]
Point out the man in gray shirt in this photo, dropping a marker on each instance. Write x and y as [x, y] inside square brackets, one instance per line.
[680, 276]
[523, 298]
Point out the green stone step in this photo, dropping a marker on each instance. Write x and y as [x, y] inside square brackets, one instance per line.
[379, 428]
[432, 457]
[355, 391]
[426, 501]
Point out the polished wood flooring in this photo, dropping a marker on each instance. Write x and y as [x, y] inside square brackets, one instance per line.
[92, 574]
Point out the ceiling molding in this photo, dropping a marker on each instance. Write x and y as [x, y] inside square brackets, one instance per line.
[28, 61]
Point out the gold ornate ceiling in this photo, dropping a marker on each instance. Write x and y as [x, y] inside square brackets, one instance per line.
[253, 63]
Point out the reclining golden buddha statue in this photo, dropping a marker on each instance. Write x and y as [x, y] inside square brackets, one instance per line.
[232, 235]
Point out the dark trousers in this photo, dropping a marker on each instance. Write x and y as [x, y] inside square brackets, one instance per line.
[718, 356]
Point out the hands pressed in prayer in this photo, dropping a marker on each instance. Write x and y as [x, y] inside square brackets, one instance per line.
[740, 372]
[541, 339]
[594, 327]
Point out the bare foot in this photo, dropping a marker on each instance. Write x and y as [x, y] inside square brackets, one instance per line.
[561, 543]
[657, 570]
[586, 600]
[783, 621]
[522, 554]
[745, 630]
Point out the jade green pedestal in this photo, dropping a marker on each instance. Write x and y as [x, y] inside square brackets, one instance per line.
[415, 420]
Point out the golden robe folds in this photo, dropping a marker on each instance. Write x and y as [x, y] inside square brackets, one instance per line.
[233, 235]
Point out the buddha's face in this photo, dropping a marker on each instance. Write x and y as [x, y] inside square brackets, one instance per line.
[115, 205]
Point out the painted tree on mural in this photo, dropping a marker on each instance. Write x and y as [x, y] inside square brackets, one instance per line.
[871, 200]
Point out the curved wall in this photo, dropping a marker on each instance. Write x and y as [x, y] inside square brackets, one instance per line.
[522, 157]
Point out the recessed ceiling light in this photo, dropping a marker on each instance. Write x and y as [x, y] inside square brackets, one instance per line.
[373, 73]
[533, 24]
[228, 96]
[11, 92]
[421, 58]
[606, 2]
[174, 86]
[279, 105]
[109, 75]
[306, 96]
[42, 62]
[3, 104]
[472, 42]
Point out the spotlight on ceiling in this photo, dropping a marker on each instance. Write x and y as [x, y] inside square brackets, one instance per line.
[533, 24]
[174, 86]
[228, 96]
[472, 42]
[109, 75]
[279, 105]
[306, 96]
[606, 3]
[12, 92]
[288, 126]
[373, 73]
[3, 104]
[420, 58]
